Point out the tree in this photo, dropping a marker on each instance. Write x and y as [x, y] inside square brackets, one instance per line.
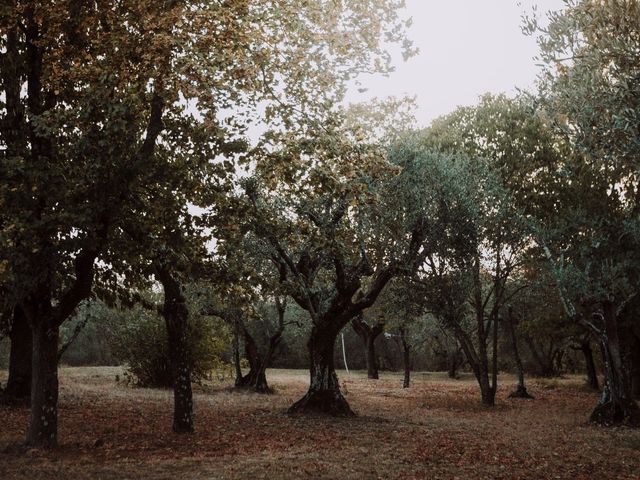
[368, 334]
[464, 279]
[92, 93]
[406, 318]
[247, 290]
[589, 91]
[509, 151]
[349, 224]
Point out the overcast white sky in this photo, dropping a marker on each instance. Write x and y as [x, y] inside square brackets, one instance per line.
[467, 48]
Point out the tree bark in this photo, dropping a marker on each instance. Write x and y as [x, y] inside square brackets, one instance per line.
[487, 393]
[406, 356]
[18, 389]
[261, 385]
[256, 379]
[592, 376]
[324, 394]
[635, 370]
[521, 389]
[368, 336]
[253, 357]
[236, 352]
[43, 423]
[616, 404]
[176, 314]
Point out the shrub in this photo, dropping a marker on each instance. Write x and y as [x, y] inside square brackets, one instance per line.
[140, 343]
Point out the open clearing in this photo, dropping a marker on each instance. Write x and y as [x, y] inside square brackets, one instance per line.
[435, 429]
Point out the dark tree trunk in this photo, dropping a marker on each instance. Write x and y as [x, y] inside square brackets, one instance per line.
[494, 360]
[324, 394]
[43, 423]
[633, 354]
[477, 361]
[616, 404]
[635, 370]
[456, 359]
[18, 389]
[521, 389]
[261, 385]
[256, 379]
[406, 356]
[488, 386]
[368, 336]
[546, 362]
[372, 363]
[487, 393]
[253, 356]
[176, 314]
[452, 372]
[236, 352]
[592, 376]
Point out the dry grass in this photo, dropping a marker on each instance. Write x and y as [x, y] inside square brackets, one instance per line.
[435, 429]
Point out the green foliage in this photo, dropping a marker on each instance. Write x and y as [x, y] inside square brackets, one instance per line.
[591, 93]
[140, 341]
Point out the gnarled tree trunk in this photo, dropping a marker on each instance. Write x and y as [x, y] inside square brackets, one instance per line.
[616, 404]
[256, 379]
[176, 314]
[324, 394]
[18, 389]
[253, 357]
[368, 336]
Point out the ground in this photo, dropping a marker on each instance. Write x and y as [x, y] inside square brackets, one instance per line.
[435, 429]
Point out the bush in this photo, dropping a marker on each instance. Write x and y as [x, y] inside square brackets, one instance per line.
[141, 344]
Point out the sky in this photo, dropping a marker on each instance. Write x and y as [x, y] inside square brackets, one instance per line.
[467, 48]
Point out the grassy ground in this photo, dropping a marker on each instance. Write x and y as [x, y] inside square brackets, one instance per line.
[435, 429]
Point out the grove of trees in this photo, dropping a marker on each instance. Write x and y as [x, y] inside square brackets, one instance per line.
[505, 235]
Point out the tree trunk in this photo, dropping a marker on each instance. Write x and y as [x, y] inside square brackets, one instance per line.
[452, 372]
[633, 349]
[18, 389]
[487, 393]
[592, 376]
[616, 404]
[406, 356]
[261, 385]
[521, 389]
[372, 364]
[368, 336]
[43, 422]
[456, 359]
[635, 371]
[175, 314]
[236, 352]
[324, 394]
[253, 356]
[494, 360]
